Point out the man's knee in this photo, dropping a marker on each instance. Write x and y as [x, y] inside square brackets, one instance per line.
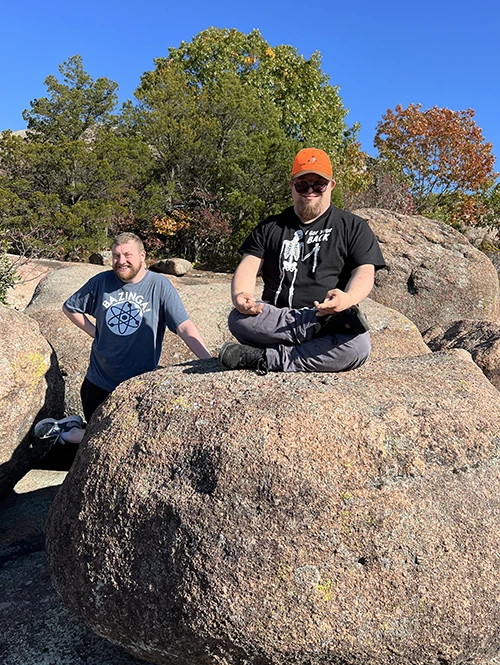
[362, 346]
[238, 324]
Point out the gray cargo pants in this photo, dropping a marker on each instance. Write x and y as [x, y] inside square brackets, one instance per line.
[286, 334]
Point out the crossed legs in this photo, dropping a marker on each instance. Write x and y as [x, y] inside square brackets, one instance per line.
[287, 335]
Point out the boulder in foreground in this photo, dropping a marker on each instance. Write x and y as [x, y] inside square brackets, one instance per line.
[215, 517]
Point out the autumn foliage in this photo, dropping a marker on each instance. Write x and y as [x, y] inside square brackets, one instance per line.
[439, 152]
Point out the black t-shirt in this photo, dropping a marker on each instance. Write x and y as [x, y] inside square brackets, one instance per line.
[304, 261]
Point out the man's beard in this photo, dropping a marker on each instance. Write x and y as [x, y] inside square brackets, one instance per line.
[308, 210]
[128, 274]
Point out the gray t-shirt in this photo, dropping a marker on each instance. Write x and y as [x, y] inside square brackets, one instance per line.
[130, 324]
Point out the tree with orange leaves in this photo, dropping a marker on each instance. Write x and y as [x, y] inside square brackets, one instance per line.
[440, 153]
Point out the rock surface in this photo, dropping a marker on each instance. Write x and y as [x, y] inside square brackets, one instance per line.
[392, 334]
[434, 275]
[27, 368]
[103, 258]
[216, 517]
[480, 338]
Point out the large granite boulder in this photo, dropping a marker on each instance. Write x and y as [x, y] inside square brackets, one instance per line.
[27, 368]
[434, 275]
[215, 517]
[480, 338]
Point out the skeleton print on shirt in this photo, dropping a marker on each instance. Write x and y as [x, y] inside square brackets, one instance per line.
[303, 247]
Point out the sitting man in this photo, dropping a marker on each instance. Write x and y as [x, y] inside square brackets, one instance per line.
[317, 262]
[132, 308]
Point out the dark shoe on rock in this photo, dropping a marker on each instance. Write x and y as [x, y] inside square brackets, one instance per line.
[241, 356]
[351, 321]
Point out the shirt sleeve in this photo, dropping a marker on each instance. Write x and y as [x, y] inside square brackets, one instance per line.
[256, 242]
[363, 246]
[83, 301]
[173, 308]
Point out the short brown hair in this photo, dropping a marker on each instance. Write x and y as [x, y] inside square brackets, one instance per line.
[124, 238]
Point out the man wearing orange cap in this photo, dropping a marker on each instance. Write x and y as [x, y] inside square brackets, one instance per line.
[317, 263]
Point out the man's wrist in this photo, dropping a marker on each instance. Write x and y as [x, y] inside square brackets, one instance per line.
[241, 293]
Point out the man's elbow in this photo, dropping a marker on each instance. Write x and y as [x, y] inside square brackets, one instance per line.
[184, 327]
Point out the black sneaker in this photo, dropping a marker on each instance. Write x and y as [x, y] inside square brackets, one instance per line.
[351, 321]
[241, 356]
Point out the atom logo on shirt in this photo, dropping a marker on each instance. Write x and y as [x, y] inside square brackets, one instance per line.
[123, 318]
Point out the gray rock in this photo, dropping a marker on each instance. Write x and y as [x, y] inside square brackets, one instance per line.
[223, 517]
[391, 333]
[101, 258]
[172, 266]
[434, 275]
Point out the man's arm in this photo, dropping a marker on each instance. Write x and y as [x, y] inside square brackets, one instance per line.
[81, 321]
[243, 285]
[358, 288]
[189, 334]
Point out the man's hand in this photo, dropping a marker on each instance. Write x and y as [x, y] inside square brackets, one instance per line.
[336, 301]
[245, 303]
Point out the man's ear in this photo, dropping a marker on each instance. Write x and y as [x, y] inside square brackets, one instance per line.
[333, 183]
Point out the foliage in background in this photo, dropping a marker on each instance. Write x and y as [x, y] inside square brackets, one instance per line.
[222, 142]
[63, 183]
[310, 110]
[443, 157]
[8, 275]
[386, 191]
[205, 151]
[73, 107]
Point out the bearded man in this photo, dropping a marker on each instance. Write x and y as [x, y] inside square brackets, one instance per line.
[317, 263]
[132, 308]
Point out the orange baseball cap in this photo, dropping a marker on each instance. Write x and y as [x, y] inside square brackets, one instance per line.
[312, 160]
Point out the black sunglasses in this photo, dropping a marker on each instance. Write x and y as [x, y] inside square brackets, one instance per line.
[302, 186]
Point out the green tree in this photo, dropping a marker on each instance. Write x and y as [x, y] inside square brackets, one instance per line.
[73, 106]
[8, 275]
[73, 175]
[217, 145]
[309, 110]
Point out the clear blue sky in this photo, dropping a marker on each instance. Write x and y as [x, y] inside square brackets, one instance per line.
[442, 53]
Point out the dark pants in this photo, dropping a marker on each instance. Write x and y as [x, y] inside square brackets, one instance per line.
[92, 397]
[288, 337]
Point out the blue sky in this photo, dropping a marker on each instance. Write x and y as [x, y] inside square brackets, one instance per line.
[442, 53]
